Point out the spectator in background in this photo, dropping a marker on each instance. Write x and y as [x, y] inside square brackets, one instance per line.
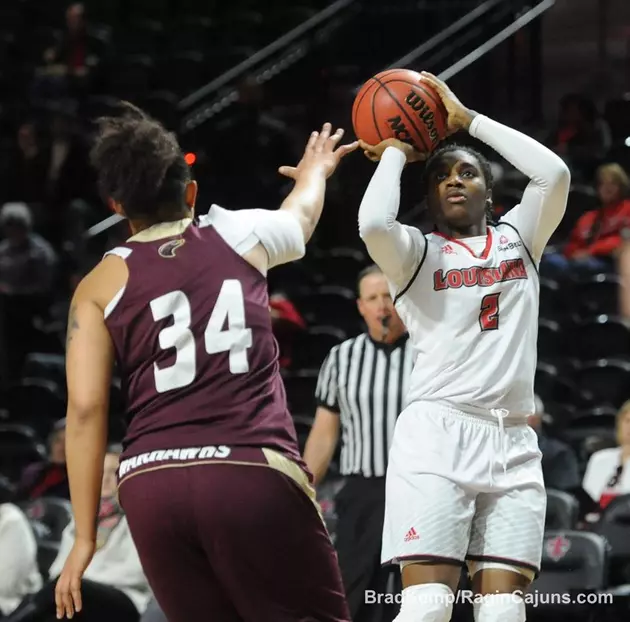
[68, 64]
[624, 274]
[608, 470]
[27, 261]
[27, 167]
[582, 138]
[596, 236]
[27, 270]
[559, 462]
[114, 586]
[19, 573]
[50, 478]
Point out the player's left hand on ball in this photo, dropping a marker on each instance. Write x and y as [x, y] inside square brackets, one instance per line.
[322, 154]
[375, 152]
[68, 588]
[459, 117]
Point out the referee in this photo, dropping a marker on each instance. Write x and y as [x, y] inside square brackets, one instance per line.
[360, 392]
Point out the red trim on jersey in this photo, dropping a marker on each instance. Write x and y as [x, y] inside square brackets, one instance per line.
[486, 250]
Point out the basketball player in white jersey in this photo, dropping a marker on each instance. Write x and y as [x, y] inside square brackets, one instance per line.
[464, 484]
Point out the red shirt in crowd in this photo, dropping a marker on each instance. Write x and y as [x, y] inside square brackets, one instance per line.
[608, 223]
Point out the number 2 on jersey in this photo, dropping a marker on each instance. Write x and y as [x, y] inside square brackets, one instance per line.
[235, 339]
[489, 314]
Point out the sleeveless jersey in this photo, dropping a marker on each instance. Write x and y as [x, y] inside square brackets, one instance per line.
[195, 349]
[473, 321]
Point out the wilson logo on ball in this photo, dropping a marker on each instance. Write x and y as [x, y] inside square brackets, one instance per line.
[426, 115]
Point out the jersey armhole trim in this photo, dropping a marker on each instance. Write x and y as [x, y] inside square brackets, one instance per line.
[119, 251]
[529, 253]
[405, 289]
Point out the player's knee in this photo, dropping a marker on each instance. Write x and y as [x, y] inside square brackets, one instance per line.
[500, 608]
[431, 602]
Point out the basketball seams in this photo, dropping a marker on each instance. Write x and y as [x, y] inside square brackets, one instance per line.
[436, 100]
[405, 113]
[367, 88]
[373, 103]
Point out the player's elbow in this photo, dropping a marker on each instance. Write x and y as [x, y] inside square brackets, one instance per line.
[84, 411]
[559, 177]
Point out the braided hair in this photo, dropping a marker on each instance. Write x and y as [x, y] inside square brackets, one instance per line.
[486, 171]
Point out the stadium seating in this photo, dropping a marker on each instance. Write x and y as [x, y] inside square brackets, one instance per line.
[573, 561]
[562, 510]
[19, 447]
[614, 526]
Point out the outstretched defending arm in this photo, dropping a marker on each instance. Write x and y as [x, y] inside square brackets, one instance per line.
[395, 248]
[545, 198]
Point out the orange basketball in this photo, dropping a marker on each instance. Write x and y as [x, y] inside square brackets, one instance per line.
[397, 104]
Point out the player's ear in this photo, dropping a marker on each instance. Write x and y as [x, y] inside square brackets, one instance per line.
[190, 195]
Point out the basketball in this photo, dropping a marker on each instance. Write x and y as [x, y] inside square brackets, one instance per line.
[398, 104]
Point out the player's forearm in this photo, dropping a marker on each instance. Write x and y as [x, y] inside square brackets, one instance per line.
[86, 440]
[540, 164]
[381, 201]
[318, 453]
[306, 201]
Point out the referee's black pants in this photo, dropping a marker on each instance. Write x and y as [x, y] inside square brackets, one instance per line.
[360, 508]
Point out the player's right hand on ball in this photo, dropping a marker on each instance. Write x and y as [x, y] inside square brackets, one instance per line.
[375, 152]
[321, 154]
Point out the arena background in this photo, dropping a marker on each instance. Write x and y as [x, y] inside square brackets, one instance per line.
[242, 83]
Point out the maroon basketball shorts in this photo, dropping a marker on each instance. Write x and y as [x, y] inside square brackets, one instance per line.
[238, 538]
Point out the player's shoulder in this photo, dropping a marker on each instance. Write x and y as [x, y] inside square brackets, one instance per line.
[236, 227]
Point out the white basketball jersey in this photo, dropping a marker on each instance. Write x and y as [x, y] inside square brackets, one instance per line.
[473, 320]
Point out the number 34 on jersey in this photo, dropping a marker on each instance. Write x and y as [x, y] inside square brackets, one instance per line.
[236, 338]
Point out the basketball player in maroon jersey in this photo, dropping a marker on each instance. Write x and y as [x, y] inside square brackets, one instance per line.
[219, 503]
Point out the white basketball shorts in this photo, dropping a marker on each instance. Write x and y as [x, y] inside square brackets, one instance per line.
[461, 488]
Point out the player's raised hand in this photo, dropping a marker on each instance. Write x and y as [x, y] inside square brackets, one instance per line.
[459, 117]
[322, 154]
[68, 588]
[375, 152]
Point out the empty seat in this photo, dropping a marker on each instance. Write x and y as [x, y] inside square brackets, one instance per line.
[300, 388]
[193, 32]
[605, 380]
[562, 510]
[598, 294]
[182, 72]
[603, 336]
[614, 525]
[162, 105]
[340, 266]
[54, 514]
[556, 387]
[129, 77]
[553, 302]
[314, 345]
[331, 305]
[588, 433]
[140, 36]
[571, 561]
[19, 447]
[551, 340]
[36, 401]
[50, 367]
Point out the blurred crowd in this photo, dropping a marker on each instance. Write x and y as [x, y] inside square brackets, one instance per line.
[48, 200]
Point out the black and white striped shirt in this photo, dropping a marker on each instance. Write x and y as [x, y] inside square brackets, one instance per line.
[366, 383]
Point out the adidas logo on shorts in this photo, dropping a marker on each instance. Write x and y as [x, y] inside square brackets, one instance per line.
[411, 535]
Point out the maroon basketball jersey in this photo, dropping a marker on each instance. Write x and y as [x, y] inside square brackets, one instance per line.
[195, 348]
